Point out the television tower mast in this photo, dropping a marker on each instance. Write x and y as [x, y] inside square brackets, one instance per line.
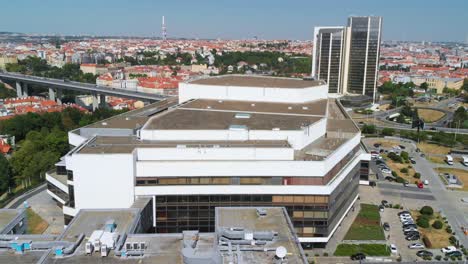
[163, 29]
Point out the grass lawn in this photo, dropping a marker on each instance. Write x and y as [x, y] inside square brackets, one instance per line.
[429, 115]
[368, 249]
[366, 226]
[36, 225]
[439, 237]
[436, 159]
[461, 174]
[395, 166]
[428, 148]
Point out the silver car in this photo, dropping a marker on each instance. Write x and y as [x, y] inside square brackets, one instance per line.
[416, 246]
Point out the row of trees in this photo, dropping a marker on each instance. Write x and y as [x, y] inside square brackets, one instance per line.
[39, 67]
[43, 140]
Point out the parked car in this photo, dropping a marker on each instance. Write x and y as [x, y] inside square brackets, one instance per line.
[381, 208]
[412, 237]
[403, 212]
[411, 233]
[378, 162]
[393, 249]
[386, 171]
[454, 254]
[424, 253]
[358, 256]
[404, 215]
[377, 145]
[412, 160]
[384, 203]
[409, 229]
[386, 226]
[449, 249]
[408, 222]
[416, 246]
[406, 183]
[402, 147]
[426, 182]
[410, 225]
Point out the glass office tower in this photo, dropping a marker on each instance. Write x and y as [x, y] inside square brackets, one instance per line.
[328, 56]
[364, 51]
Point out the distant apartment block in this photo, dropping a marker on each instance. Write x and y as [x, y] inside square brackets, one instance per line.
[347, 58]
[228, 141]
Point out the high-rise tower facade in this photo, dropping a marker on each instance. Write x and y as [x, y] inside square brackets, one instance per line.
[347, 58]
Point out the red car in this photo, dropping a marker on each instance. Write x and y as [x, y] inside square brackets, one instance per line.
[420, 185]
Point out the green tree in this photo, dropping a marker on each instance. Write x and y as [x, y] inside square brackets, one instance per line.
[5, 172]
[5, 92]
[427, 210]
[368, 129]
[388, 131]
[437, 224]
[424, 86]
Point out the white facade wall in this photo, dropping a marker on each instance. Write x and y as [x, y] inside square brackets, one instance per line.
[189, 91]
[213, 168]
[57, 183]
[210, 153]
[75, 139]
[296, 138]
[250, 189]
[102, 181]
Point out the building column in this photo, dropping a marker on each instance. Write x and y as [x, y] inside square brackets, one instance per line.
[102, 100]
[25, 90]
[19, 90]
[58, 98]
[95, 104]
[51, 94]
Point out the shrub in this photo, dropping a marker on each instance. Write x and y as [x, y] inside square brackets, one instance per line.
[422, 221]
[404, 155]
[317, 254]
[404, 170]
[427, 242]
[394, 174]
[427, 210]
[400, 179]
[325, 254]
[438, 257]
[417, 175]
[453, 240]
[437, 224]
[388, 131]
[445, 258]
[396, 206]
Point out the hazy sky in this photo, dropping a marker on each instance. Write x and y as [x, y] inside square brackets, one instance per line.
[431, 20]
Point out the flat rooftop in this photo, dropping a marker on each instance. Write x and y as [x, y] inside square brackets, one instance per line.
[107, 144]
[216, 120]
[134, 119]
[89, 220]
[276, 220]
[318, 107]
[257, 81]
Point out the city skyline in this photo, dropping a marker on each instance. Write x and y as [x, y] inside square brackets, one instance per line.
[403, 21]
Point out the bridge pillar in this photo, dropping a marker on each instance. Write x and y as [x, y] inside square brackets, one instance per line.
[51, 94]
[58, 98]
[19, 90]
[95, 102]
[25, 90]
[102, 100]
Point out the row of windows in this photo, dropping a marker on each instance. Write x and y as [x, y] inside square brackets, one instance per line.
[57, 191]
[289, 199]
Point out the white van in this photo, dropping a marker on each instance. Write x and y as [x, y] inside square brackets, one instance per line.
[465, 160]
[449, 160]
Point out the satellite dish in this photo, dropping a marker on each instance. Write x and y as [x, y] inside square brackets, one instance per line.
[281, 252]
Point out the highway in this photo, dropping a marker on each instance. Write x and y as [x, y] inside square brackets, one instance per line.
[80, 87]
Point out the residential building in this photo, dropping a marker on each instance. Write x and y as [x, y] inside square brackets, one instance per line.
[232, 140]
[438, 83]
